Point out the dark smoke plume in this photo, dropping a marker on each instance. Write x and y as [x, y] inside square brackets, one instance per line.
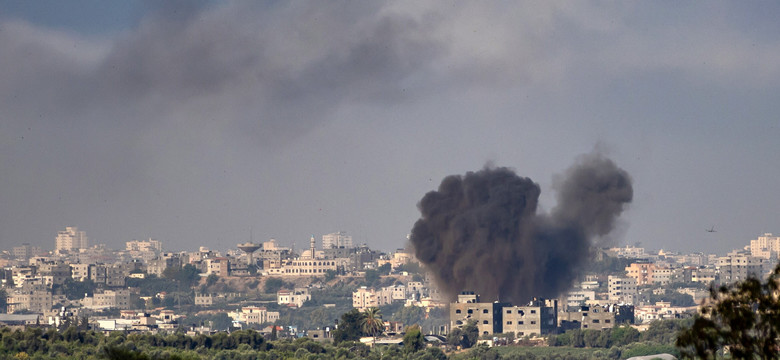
[481, 231]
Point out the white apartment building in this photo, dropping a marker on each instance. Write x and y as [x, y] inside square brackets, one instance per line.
[364, 298]
[71, 239]
[765, 247]
[296, 297]
[622, 289]
[337, 240]
[579, 297]
[257, 315]
[144, 245]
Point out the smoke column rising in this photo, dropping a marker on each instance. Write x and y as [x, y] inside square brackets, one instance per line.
[481, 231]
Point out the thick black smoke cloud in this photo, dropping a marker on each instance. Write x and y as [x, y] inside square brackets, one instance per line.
[481, 231]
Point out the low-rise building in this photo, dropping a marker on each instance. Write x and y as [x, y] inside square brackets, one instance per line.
[296, 297]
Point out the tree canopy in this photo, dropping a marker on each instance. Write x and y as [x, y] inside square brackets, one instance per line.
[743, 317]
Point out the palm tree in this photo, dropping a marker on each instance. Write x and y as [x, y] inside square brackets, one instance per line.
[371, 322]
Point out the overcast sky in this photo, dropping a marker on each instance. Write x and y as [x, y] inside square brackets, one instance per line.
[196, 124]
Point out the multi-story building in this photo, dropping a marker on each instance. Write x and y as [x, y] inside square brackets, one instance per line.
[82, 272]
[71, 239]
[166, 260]
[622, 289]
[649, 273]
[108, 299]
[364, 298]
[32, 298]
[338, 239]
[765, 247]
[704, 275]
[257, 315]
[737, 267]
[538, 317]
[487, 316]
[58, 271]
[642, 272]
[628, 252]
[218, 266]
[596, 317]
[26, 251]
[579, 297]
[144, 245]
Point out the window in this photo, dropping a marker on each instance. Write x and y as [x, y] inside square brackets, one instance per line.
[519, 323]
[595, 321]
[509, 323]
[533, 311]
[485, 322]
[485, 311]
[457, 311]
[470, 311]
[509, 311]
[533, 322]
[607, 321]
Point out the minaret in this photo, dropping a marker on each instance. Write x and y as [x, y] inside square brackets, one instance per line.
[311, 246]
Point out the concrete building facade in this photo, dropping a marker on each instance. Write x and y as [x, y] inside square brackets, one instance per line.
[71, 239]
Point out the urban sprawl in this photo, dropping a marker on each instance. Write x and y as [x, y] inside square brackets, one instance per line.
[275, 289]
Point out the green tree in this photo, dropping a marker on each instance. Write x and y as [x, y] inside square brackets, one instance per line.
[413, 339]
[385, 269]
[75, 290]
[465, 337]
[211, 279]
[372, 277]
[349, 327]
[3, 301]
[272, 285]
[186, 275]
[371, 322]
[744, 317]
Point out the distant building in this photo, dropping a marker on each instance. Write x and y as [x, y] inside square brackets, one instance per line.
[737, 267]
[296, 297]
[26, 251]
[596, 317]
[33, 298]
[218, 266]
[336, 240]
[765, 247]
[628, 252]
[364, 298]
[71, 239]
[622, 289]
[538, 317]
[257, 315]
[649, 273]
[487, 316]
[108, 299]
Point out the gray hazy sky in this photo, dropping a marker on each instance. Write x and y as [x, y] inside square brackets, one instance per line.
[195, 123]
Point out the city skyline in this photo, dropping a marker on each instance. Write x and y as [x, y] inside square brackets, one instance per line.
[200, 123]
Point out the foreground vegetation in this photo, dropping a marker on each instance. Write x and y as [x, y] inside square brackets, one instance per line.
[35, 343]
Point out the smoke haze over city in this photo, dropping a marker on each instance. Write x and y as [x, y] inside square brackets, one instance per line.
[198, 123]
